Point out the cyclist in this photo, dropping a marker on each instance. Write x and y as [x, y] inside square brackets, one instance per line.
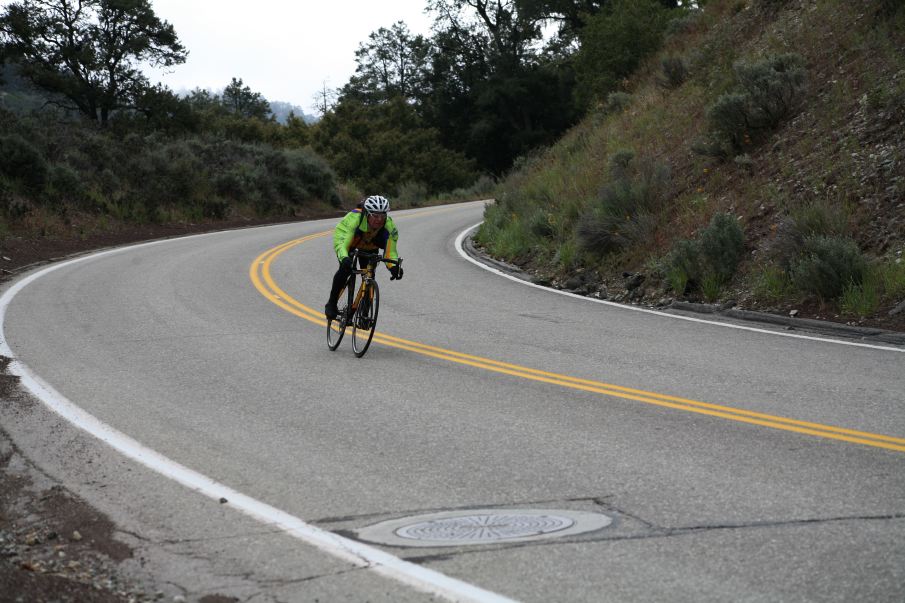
[367, 227]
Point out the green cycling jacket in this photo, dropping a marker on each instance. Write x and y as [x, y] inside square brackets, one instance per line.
[352, 233]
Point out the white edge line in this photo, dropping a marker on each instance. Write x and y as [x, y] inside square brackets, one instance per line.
[345, 549]
[459, 247]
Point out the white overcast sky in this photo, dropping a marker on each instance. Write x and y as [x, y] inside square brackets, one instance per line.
[281, 48]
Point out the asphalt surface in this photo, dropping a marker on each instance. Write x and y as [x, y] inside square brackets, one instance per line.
[175, 346]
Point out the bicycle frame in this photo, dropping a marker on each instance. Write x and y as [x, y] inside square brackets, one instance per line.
[362, 318]
[367, 277]
[366, 273]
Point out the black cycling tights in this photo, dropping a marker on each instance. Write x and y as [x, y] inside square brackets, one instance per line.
[339, 280]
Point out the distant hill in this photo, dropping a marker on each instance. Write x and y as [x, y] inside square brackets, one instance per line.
[282, 109]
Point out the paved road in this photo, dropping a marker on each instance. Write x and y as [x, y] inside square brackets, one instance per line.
[174, 345]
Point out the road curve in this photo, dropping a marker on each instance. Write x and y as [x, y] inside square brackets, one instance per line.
[734, 464]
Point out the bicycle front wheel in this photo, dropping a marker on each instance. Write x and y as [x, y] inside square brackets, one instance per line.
[336, 328]
[365, 320]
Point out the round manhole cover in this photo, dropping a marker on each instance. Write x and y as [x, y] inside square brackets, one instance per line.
[482, 526]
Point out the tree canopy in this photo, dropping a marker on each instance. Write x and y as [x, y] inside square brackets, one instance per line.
[391, 63]
[86, 53]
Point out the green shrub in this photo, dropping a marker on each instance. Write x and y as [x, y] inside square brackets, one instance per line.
[505, 232]
[883, 281]
[683, 24]
[808, 220]
[813, 219]
[64, 184]
[711, 287]
[774, 87]
[539, 223]
[708, 262]
[617, 102]
[722, 246]
[231, 184]
[889, 8]
[683, 265]
[566, 255]
[673, 72]
[299, 175]
[892, 276]
[828, 264]
[624, 213]
[862, 299]
[730, 123]
[171, 174]
[20, 161]
[483, 186]
[513, 240]
[412, 193]
[215, 208]
[768, 92]
[773, 284]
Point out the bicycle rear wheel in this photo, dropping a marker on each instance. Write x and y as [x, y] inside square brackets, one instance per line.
[365, 320]
[336, 328]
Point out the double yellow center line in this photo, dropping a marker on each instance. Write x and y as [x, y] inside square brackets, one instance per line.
[264, 283]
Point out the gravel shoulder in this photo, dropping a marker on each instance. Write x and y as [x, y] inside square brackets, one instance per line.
[53, 546]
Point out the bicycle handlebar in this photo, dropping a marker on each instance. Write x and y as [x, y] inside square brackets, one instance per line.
[374, 256]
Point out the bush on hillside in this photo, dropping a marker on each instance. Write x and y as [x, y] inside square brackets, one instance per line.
[64, 186]
[617, 102]
[171, 175]
[722, 246]
[673, 72]
[827, 265]
[683, 266]
[683, 24]
[769, 91]
[624, 213]
[709, 261]
[774, 87]
[809, 220]
[730, 124]
[22, 162]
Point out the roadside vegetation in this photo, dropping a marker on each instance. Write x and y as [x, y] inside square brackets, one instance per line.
[757, 157]
[89, 143]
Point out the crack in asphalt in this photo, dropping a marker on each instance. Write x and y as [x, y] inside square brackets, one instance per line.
[204, 539]
[655, 533]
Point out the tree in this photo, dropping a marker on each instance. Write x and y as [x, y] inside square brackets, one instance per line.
[392, 63]
[614, 42]
[507, 33]
[383, 146]
[87, 52]
[240, 100]
[296, 133]
[573, 15]
[494, 96]
[324, 99]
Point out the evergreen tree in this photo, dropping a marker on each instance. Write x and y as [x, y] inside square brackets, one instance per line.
[87, 53]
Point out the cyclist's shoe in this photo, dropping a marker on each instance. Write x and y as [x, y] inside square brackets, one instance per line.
[331, 311]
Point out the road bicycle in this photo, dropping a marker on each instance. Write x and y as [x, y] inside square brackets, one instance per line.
[360, 309]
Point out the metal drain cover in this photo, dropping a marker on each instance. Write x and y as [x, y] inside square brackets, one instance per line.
[482, 526]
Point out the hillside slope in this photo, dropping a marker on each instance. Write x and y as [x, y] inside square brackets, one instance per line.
[818, 192]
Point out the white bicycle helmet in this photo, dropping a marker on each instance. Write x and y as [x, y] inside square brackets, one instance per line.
[375, 204]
